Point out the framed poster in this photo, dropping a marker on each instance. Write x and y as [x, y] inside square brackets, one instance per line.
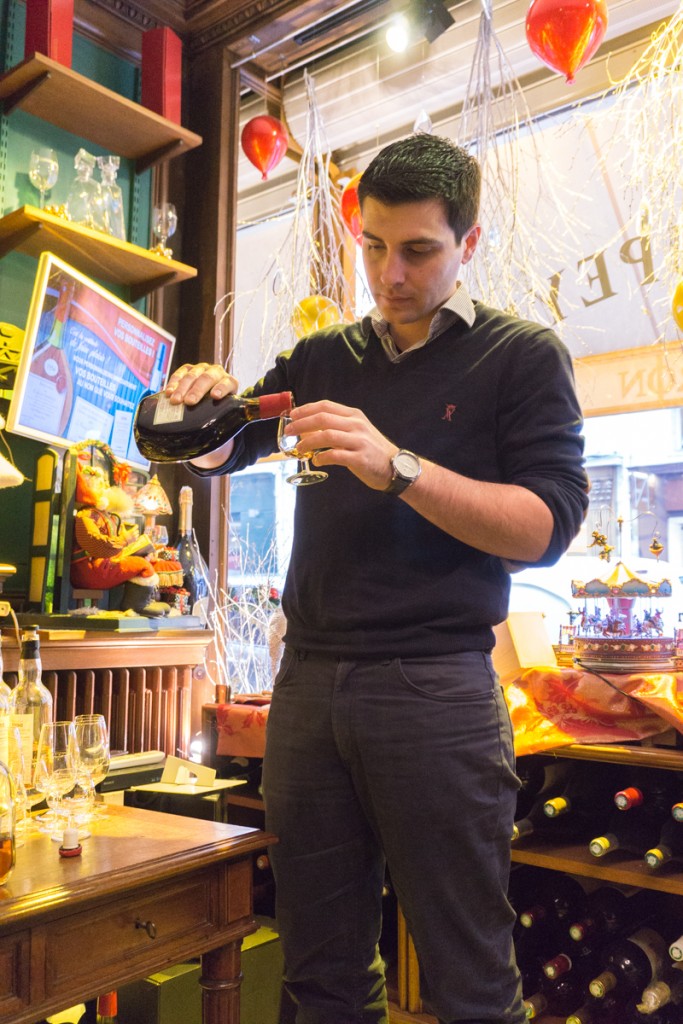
[87, 360]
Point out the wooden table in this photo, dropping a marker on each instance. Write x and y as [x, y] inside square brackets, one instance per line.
[148, 891]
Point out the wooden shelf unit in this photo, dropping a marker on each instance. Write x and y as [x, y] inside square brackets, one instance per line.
[32, 231]
[54, 93]
[576, 859]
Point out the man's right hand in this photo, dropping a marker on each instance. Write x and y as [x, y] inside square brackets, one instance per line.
[190, 382]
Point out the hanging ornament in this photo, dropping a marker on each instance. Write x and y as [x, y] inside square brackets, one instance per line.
[350, 208]
[265, 141]
[565, 34]
[423, 124]
[677, 304]
[656, 546]
[314, 313]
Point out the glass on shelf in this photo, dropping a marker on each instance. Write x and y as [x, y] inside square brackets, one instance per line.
[43, 170]
[164, 224]
[112, 196]
[85, 201]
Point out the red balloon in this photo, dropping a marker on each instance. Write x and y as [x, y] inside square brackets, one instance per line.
[350, 208]
[265, 141]
[565, 34]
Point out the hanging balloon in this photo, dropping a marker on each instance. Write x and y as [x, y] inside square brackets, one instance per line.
[350, 208]
[677, 304]
[565, 34]
[264, 141]
[313, 314]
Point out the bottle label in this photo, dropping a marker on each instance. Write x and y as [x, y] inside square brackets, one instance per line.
[165, 412]
[24, 723]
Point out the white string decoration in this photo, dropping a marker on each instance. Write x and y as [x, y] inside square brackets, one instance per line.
[511, 269]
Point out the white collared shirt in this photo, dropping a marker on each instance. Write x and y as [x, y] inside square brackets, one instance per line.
[458, 306]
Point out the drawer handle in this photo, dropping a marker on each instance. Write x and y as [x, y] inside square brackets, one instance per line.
[148, 926]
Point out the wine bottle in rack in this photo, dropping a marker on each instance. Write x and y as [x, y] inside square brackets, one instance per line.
[609, 1010]
[535, 820]
[655, 788]
[631, 964]
[195, 570]
[535, 775]
[560, 996]
[662, 993]
[587, 797]
[668, 846]
[668, 1014]
[635, 832]
[613, 910]
[560, 899]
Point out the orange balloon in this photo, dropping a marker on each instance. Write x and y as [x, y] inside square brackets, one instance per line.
[677, 304]
[565, 34]
[350, 208]
[264, 141]
[313, 314]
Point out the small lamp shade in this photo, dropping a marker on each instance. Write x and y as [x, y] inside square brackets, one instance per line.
[151, 501]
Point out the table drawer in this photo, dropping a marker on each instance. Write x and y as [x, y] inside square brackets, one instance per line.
[15, 962]
[168, 922]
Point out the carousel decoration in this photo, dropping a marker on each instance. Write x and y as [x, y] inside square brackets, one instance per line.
[620, 627]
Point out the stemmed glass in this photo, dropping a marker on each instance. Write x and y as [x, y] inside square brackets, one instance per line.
[55, 771]
[164, 223]
[292, 444]
[92, 757]
[43, 169]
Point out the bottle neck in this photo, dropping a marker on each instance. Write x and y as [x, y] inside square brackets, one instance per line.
[185, 511]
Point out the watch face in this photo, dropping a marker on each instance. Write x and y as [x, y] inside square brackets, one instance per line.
[406, 464]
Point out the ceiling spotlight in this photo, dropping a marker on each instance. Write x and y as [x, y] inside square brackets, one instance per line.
[398, 34]
[423, 19]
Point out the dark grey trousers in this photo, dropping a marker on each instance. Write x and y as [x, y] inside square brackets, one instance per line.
[409, 760]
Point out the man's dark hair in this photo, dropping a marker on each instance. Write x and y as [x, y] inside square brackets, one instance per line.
[426, 167]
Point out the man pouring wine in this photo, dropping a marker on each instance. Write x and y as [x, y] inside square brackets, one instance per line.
[450, 433]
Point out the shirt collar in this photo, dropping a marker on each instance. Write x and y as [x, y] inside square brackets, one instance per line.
[458, 307]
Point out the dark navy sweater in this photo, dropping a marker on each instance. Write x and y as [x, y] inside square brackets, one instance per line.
[368, 576]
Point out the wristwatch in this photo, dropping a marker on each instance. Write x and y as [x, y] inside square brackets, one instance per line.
[406, 468]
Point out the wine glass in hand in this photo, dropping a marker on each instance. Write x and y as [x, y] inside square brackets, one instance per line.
[43, 169]
[92, 755]
[293, 444]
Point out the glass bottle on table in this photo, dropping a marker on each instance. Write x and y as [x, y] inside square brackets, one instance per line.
[30, 706]
[195, 570]
[7, 819]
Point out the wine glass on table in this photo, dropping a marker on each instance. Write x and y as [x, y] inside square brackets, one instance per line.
[55, 773]
[43, 169]
[295, 445]
[92, 758]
